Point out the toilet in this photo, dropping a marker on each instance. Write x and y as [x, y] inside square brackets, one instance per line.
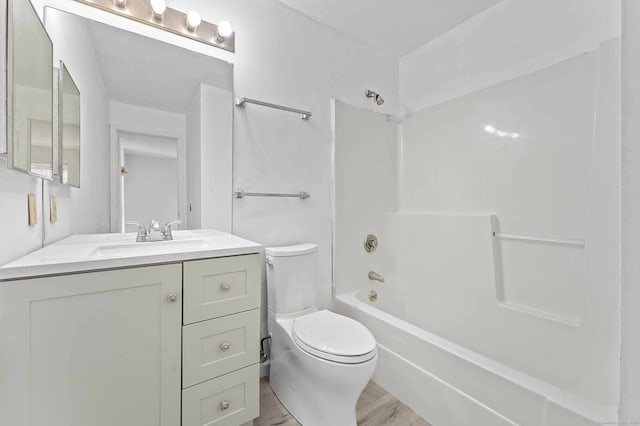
[320, 361]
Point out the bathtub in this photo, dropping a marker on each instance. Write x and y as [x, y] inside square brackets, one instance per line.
[450, 385]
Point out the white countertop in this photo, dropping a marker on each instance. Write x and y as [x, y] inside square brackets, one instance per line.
[88, 252]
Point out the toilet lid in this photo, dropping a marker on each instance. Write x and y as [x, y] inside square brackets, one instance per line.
[334, 337]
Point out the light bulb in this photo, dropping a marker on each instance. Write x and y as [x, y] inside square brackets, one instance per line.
[120, 3]
[158, 7]
[224, 31]
[193, 20]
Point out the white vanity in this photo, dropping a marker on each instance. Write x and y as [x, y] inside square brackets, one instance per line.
[100, 330]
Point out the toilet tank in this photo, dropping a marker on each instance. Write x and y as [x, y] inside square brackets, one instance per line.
[291, 277]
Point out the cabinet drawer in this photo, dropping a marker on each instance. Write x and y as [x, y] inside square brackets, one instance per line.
[231, 399]
[214, 347]
[222, 286]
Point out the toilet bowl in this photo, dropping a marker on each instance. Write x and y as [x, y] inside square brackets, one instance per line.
[320, 361]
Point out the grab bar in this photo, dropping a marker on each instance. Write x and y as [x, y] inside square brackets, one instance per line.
[305, 115]
[241, 194]
[563, 241]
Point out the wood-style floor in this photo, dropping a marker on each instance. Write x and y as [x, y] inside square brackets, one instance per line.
[375, 407]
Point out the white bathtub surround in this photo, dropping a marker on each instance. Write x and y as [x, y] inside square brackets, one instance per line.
[448, 384]
[535, 160]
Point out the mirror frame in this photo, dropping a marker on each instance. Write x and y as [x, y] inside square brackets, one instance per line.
[10, 93]
[61, 125]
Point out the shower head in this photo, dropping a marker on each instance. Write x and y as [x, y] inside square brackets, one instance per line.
[376, 97]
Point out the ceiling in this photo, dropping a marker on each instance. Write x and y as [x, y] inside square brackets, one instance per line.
[394, 27]
[142, 71]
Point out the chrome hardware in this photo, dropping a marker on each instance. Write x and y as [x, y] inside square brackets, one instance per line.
[172, 298]
[142, 231]
[370, 243]
[166, 232]
[224, 405]
[305, 115]
[373, 296]
[225, 346]
[225, 287]
[154, 232]
[239, 193]
[375, 276]
[375, 96]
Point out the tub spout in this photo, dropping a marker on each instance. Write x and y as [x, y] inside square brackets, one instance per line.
[376, 276]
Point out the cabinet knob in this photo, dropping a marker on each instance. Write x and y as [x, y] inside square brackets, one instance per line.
[225, 287]
[172, 298]
[225, 346]
[224, 405]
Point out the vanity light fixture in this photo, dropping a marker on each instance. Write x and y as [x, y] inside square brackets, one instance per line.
[156, 14]
[193, 21]
[224, 31]
[158, 7]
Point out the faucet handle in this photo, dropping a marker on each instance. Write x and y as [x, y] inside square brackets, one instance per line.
[142, 231]
[136, 223]
[166, 233]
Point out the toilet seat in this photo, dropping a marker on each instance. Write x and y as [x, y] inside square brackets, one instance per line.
[334, 337]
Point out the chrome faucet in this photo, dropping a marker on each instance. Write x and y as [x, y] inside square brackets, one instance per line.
[376, 276]
[154, 233]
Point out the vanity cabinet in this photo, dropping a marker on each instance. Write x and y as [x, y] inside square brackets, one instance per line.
[220, 341]
[113, 348]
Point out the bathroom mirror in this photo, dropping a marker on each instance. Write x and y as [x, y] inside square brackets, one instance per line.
[68, 128]
[30, 92]
[155, 124]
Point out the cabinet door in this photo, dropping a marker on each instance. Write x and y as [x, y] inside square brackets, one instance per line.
[94, 349]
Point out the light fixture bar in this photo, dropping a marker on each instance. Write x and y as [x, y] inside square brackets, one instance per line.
[172, 20]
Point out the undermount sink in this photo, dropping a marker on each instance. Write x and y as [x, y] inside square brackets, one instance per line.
[145, 248]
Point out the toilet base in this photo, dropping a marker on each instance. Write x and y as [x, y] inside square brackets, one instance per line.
[315, 391]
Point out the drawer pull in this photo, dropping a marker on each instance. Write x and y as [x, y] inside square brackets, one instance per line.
[225, 287]
[225, 346]
[224, 405]
[172, 298]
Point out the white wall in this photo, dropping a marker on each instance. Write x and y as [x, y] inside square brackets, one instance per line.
[366, 152]
[630, 333]
[150, 188]
[209, 175]
[511, 39]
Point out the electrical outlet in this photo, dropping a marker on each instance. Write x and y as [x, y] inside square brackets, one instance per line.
[53, 209]
[33, 213]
